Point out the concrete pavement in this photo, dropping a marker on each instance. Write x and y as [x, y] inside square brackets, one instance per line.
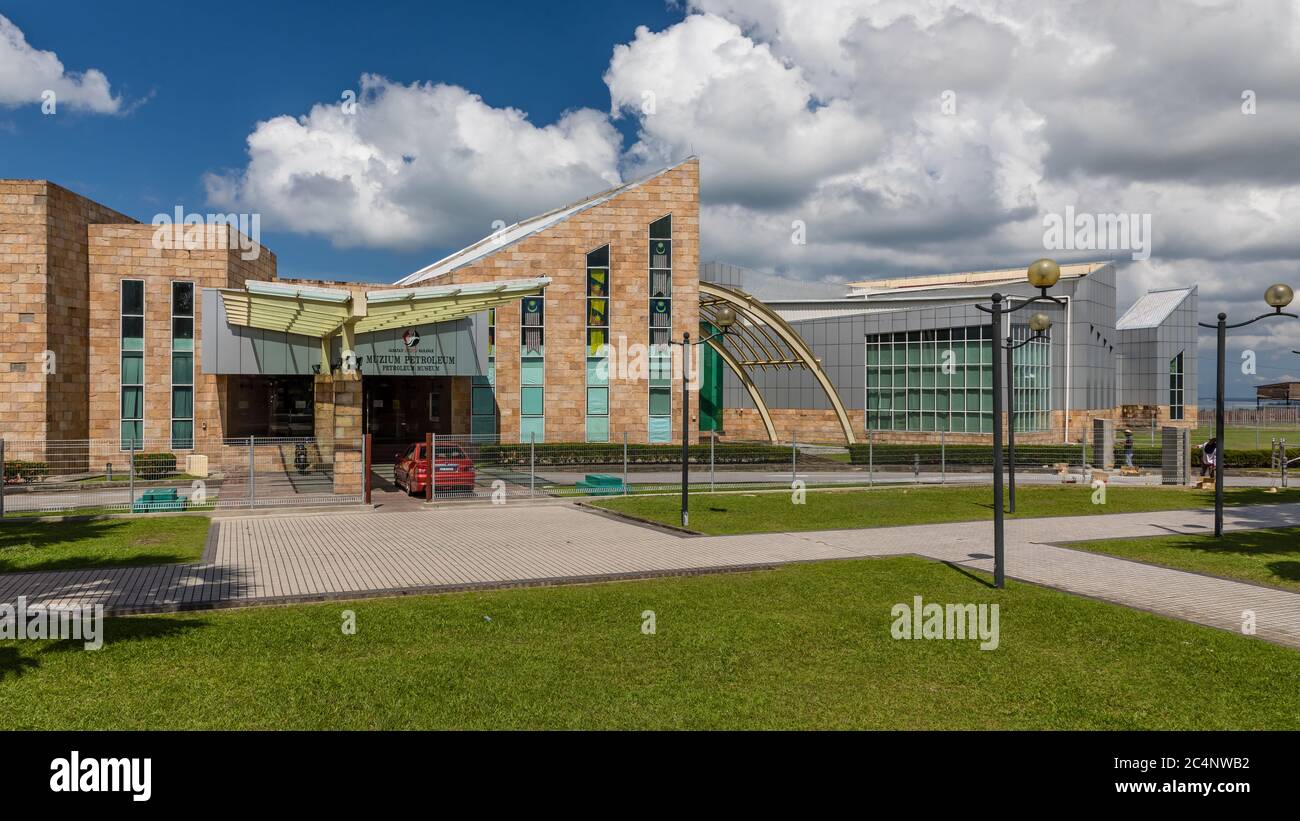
[309, 557]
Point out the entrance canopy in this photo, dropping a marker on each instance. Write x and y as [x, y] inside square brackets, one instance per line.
[323, 312]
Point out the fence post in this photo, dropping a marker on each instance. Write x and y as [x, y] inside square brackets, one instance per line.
[130, 508]
[2, 478]
[428, 448]
[433, 467]
[871, 457]
[1083, 454]
[532, 465]
[943, 460]
[1282, 450]
[794, 457]
[366, 456]
[252, 471]
[713, 438]
[624, 463]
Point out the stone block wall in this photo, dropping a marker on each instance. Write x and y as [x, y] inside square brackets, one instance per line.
[559, 252]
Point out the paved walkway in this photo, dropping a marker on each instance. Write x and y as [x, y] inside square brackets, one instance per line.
[282, 558]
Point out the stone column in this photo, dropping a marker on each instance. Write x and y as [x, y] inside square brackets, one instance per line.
[347, 434]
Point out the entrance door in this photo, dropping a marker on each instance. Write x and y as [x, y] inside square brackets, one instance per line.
[403, 409]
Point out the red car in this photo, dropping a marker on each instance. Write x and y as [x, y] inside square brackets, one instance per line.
[455, 470]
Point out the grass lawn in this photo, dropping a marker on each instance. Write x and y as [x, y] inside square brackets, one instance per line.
[1245, 438]
[32, 545]
[803, 646]
[718, 513]
[1264, 556]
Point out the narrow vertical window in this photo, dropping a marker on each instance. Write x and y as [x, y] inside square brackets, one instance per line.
[597, 346]
[182, 365]
[483, 398]
[532, 369]
[1176, 387]
[661, 325]
[131, 377]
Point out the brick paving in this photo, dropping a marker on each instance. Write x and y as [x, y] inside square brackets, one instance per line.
[308, 557]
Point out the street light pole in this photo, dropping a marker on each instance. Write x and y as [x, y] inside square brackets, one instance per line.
[1011, 428]
[1220, 381]
[686, 428]
[722, 320]
[999, 547]
[1276, 297]
[1042, 274]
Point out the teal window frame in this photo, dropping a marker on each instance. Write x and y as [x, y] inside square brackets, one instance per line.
[659, 255]
[182, 351]
[599, 291]
[131, 395]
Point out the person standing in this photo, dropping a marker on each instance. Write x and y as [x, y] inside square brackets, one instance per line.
[1128, 448]
[1209, 456]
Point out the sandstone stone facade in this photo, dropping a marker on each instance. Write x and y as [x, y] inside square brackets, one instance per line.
[45, 309]
[560, 252]
[132, 252]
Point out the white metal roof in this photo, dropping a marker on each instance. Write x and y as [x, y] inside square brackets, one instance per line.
[521, 230]
[1152, 309]
[906, 286]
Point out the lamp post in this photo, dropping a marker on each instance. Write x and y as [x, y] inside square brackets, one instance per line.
[1041, 274]
[1038, 323]
[1277, 297]
[723, 319]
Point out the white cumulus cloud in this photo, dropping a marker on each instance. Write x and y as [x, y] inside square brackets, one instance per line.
[416, 166]
[27, 74]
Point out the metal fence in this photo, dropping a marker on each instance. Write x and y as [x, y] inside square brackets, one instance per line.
[485, 468]
[1252, 427]
[108, 476]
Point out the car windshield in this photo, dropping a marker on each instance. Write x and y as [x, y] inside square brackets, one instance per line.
[450, 452]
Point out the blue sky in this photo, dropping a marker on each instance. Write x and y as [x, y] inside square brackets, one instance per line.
[907, 138]
[197, 78]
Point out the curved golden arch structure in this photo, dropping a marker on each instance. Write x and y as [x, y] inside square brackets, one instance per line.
[764, 324]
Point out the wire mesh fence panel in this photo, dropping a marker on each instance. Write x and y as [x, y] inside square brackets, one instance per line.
[161, 475]
[483, 468]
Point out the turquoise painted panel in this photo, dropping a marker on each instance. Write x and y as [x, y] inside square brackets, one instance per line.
[661, 429]
[482, 426]
[531, 402]
[597, 428]
[483, 402]
[532, 371]
[530, 426]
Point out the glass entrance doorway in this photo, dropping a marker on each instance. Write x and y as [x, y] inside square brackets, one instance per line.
[403, 409]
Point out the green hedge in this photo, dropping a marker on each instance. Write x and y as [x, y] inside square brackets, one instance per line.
[18, 470]
[154, 465]
[893, 453]
[599, 453]
[1252, 458]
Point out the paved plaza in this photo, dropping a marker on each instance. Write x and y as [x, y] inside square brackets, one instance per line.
[318, 556]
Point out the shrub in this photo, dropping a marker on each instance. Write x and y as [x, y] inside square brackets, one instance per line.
[154, 465]
[1252, 458]
[20, 471]
[554, 454]
[894, 453]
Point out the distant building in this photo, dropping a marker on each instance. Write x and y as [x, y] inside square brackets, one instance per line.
[1281, 393]
[912, 358]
